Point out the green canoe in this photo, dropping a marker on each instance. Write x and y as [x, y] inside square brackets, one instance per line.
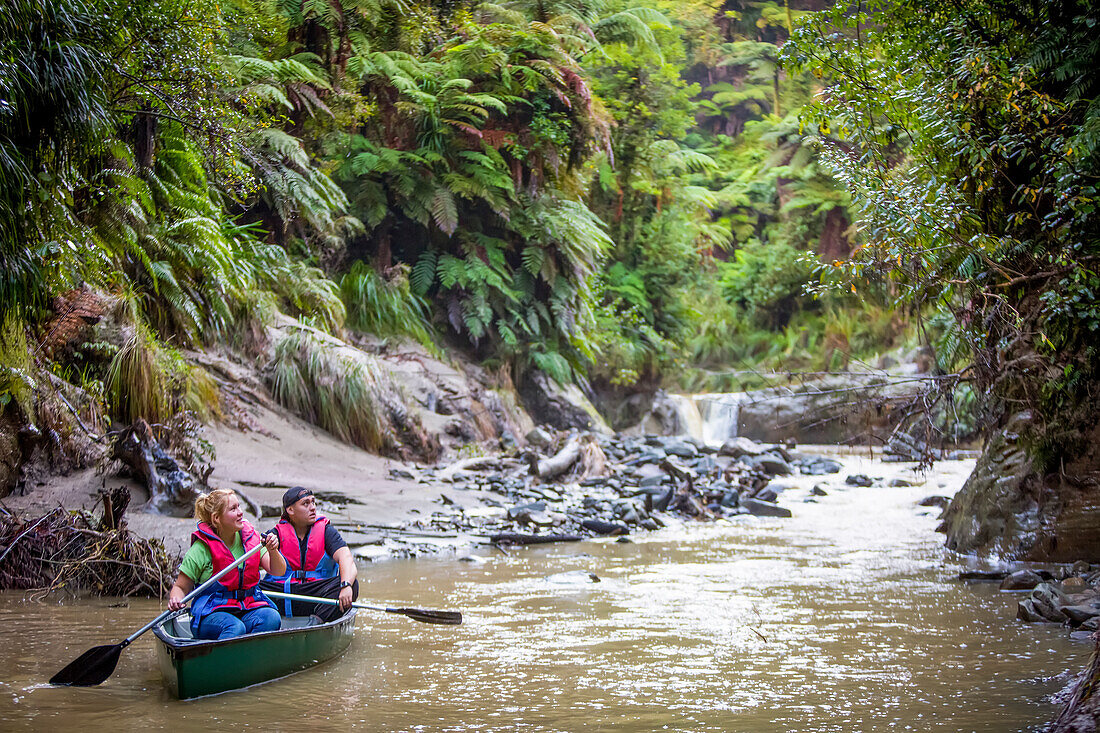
[193, 668]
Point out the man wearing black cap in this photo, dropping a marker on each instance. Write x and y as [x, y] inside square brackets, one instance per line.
[318, 560]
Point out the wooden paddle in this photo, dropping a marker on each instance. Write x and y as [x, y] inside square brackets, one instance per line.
[423, 615]
[97, 664]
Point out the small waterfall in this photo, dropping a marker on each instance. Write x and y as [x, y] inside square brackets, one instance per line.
[710, 418]
[688, 413]
[721, 414]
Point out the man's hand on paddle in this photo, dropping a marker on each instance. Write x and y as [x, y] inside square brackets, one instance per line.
[345, 599]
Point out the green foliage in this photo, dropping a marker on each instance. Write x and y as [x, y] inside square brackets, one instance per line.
[556, 183]
[16, 380]
[769, 282]
[385, 306]
[968, 142]
[52, 110]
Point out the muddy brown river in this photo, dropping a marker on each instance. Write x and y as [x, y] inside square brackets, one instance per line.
[847, 617]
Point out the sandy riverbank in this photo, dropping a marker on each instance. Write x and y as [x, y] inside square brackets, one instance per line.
[260, 465]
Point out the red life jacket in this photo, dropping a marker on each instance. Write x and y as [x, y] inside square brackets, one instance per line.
[237, 591]
[305, 559]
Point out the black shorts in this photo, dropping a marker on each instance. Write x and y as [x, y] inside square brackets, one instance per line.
[328, 588]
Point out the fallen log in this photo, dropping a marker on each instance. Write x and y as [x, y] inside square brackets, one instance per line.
[558, 463]
[469, 464]
[513, 538]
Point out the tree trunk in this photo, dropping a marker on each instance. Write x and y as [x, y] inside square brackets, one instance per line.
[171, 489]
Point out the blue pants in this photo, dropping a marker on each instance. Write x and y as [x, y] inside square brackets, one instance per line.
[224, 625]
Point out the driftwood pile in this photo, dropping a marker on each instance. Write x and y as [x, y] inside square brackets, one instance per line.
[74, 551]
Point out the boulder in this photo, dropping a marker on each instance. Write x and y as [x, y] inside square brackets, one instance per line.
[1007, 508]
[737, 447]
[826, 411]
[560, 406]
[764, 509]
[858, 480]
[1047, 601]
[768, 495]
[539, 438]
[522, 512]
[681, 449]
[1026, 612]
[937, 501]
[1079, 614]
[1074, 584]
[817, 466]
[772, 465]
[1021, 580]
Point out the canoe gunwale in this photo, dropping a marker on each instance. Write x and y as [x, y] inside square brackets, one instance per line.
[187, 648]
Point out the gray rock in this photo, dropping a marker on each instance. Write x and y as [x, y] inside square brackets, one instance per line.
[1021, 580]
[764, 508]
[899, 483]
[858, 480]
[681, 449]
[522, 511]
[937, 501]
[768, 495]
[1046, 600]
[540, 519]
[1025, 611]
[818, 491]
[706, 464]
[819, 466]
[539, 438]
[773, 465]
[1079, 614]
[737, 447]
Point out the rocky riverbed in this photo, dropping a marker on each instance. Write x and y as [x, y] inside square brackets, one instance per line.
[579, 485]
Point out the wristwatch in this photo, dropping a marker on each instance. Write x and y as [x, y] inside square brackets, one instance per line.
[344, 584]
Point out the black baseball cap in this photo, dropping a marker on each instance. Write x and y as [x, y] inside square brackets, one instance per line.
[295, 494]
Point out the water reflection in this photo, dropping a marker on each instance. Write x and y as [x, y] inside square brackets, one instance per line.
[846, 617]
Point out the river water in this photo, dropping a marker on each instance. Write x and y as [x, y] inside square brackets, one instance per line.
[846, 617]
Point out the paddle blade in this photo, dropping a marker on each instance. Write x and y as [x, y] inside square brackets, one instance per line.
[428, 616]
[90, 668]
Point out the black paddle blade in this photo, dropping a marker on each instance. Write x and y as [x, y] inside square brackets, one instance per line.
[428, 616]
[90, 668]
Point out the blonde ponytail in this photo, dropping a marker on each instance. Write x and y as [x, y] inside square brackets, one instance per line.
[208, 505]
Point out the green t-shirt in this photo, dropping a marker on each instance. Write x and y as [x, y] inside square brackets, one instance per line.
[198, 563]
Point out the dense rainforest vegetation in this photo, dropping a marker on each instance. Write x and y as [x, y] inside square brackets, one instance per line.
[627, 193]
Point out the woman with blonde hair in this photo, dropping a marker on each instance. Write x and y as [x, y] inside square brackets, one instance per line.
[234, 605]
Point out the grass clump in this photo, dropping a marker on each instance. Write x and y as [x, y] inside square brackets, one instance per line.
[385, 306]
[318, 381]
